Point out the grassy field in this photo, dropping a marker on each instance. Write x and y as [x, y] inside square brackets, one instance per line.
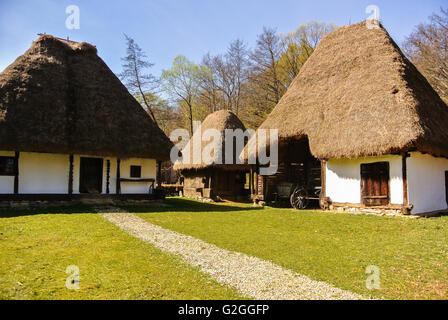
[37, 247]
[412, 254]
[35, 250]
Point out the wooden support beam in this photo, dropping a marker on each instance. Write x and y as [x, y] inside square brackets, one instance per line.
[323, 178]
[118, 185]
[159, 174]
[210, 179]
[70, 175]
[405, 179]
[251, 181]
[16, 172]
[107, 176]
[261, 182]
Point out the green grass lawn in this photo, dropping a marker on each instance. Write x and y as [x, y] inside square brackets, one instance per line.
[35, 250]
[412, 254]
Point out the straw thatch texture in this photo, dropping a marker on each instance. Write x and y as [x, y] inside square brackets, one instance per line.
[220, 120]
[358, 95]
[60, 97]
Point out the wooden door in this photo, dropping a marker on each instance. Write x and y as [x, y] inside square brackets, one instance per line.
[91, 176]
[375, 184]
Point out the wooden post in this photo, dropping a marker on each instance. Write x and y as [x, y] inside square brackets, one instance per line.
[405, 178]
[251, 181]
[323, 178]
[159, 174]
[210, 180]
[16, 172]
[261, 187]
[255, 182]
[107, 176]
[208, 184]
[118, 185]
[70, 175]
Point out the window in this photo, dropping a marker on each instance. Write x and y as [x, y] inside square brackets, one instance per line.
[375, 184]
[136, 171]
[7, 166]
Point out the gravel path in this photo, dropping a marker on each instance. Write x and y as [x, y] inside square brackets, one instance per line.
[253, 277]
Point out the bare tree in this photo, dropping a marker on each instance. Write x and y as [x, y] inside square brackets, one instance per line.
[238, 63]
[210, 91]
[264, 61]
[223, 73]
[427, 48]
[227, 73]
[137, 80]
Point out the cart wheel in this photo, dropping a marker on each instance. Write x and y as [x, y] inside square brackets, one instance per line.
[299, 199]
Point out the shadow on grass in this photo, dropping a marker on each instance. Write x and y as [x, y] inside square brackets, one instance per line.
[168, 205]
[188, 205]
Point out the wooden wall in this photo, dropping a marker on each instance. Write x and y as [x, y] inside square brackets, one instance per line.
[215, 183]
[296, 165]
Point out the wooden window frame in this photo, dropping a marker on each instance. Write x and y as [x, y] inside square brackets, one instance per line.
[363, 202]
[135, 174]
[3, 171]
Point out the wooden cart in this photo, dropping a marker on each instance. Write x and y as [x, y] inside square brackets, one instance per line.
[301, 196]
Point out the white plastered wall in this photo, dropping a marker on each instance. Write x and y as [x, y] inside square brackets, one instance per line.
[343, 178]
[7, 182]
[47, 173]
[149, 171]
[43, 173]
[426, 182]
[112, 178]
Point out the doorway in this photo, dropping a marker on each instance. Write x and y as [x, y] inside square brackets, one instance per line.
[91, 176]
[375, 184]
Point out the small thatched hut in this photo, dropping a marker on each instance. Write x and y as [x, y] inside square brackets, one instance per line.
[214, 180]
[371, 118]
[68, 126]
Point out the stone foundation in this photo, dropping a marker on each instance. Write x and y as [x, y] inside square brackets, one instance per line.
[366, 210]
[87, 201]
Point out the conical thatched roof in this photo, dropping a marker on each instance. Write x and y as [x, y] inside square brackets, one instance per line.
[220, 120]
[358, 95]
[60, 97]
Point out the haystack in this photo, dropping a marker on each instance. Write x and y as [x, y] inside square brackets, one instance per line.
[214, 180]
[220, 120]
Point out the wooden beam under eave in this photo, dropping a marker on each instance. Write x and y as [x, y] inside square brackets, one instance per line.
[404, 167]
[251, 181]
[323, 179]
[159, 174]
[107, 176]
[118, 185]
[16, 172]
[70, 175]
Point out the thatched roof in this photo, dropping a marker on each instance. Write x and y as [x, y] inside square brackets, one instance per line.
[60, 97]
[220, 120]
[358, 95]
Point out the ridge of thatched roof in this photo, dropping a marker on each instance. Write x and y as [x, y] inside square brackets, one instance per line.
[358, 95]
[60, 97]
[219, 120]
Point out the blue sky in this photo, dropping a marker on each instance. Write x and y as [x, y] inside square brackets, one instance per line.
[167, 28]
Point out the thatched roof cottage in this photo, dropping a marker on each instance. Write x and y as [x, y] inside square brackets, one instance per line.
[68, 126]
[214, 180]
[379, 129]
